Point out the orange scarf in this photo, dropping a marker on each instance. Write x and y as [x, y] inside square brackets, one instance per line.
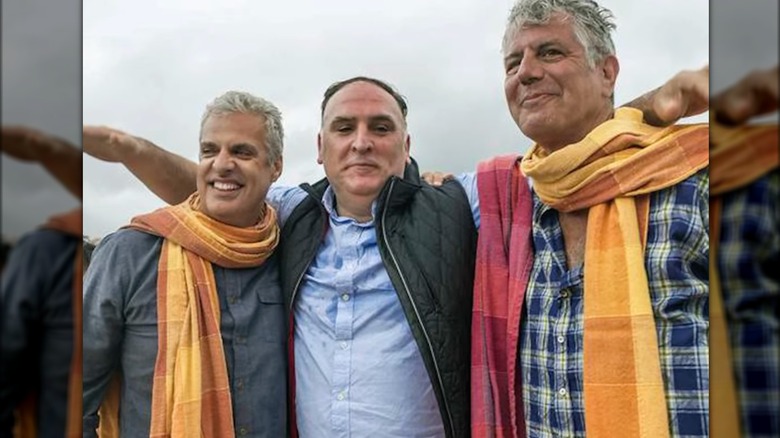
[25, 426]
[612, 172]
[739, 156]
[191, 392]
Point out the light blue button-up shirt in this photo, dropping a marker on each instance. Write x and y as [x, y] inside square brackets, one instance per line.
[358, 369]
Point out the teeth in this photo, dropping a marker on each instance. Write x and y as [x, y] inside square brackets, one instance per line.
[225, 186]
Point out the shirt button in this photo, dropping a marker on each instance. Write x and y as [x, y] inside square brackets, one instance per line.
[240, 339]
[240, 384]
[341, 396]
[345, 297]
[564, 294]
[562, 392]
[232, 299]
[243, 431]
[561, 339]
[344, 345]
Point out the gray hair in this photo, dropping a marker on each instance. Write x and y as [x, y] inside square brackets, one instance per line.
[242, 102]
[592, 23]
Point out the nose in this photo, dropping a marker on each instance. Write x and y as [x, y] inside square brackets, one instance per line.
[223, 162]
[362, 142]
[530, 70]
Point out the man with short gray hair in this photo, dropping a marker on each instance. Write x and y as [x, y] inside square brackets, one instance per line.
[591, 290]
[176, 327]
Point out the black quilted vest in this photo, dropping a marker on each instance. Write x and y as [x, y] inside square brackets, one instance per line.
[427, 240]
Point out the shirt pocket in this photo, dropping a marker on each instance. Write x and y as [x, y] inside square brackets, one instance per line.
[272, 322]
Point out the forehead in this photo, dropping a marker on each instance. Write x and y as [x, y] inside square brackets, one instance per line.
[362, 99]
[233, 127]
[558, 29]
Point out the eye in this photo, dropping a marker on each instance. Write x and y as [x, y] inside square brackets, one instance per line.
[550, 53]
[244, 152]
[207, 151]
[343, 129]
[382, 129]
[512, 65]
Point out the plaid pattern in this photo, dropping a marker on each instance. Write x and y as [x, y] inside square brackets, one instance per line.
[551, 346]
[747, 261]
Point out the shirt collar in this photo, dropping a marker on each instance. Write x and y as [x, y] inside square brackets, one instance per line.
[329, 202]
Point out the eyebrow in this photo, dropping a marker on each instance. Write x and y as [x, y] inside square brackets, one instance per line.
[372, 119]
[232, 147]
[544, 45]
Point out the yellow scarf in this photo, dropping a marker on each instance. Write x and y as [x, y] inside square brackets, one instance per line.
[191, 392]
[25, 425]
[611, 172]
[738, 157]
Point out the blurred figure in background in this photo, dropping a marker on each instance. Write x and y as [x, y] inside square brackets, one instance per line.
[745, 281]
[40, 305]
[5, 248]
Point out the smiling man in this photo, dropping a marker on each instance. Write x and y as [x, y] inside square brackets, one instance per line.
[196, 340]
[594, 285]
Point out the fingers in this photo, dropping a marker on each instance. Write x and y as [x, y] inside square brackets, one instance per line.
[754, 95]
[436, 179]
[686, 94]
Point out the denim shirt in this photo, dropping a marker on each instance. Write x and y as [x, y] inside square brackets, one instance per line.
[120, 334]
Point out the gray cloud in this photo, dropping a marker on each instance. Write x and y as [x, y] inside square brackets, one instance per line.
[744, 38]
[150, 70]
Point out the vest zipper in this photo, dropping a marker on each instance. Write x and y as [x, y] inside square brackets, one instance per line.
[414, 306]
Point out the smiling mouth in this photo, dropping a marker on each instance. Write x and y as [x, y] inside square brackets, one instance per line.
[535, 98]
[225, 186]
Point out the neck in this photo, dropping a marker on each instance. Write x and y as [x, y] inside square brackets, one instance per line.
[355, 207]
[575, 134]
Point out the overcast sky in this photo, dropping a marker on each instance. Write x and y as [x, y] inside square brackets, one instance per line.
[41, 87]
[744, 37]
[150, 70]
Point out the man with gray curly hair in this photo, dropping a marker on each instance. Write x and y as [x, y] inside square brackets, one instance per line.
[181, 338]
[601, 327]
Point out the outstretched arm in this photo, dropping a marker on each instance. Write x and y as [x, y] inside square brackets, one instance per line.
[60, 158]
[685, 94]
[169, 176]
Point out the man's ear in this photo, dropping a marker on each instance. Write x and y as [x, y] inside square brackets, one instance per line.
[610, 67]
[408, 145]
[319, 148]
[277, 169]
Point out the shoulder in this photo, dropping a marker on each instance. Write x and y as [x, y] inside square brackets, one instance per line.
[127, 245]
[43, 245]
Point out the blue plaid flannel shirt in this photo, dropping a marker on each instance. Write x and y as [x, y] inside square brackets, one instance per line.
[748, 261]
[676, 260]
